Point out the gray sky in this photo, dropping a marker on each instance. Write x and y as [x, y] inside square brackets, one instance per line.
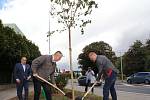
[117, 22]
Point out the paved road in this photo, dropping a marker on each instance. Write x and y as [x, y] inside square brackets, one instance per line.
[135, 88]
[124, 91]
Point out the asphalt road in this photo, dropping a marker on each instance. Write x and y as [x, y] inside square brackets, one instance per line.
[124, 91]
[135, 88]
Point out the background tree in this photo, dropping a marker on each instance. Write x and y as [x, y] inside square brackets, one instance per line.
[134, 59]
[147, 54]
[12, 47]
[101, 48]
[72, 13]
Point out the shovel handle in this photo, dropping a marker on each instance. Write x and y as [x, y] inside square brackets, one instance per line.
[89, 90]
[37, 76]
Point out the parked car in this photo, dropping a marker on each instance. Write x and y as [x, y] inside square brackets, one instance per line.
[140, 77]
[82, 81]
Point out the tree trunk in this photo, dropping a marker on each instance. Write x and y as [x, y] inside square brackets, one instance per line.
[70, 60]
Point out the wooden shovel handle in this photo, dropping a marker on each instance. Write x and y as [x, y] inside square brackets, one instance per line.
[37, 76]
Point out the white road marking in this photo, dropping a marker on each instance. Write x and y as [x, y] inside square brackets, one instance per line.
[135, 85]
[118, 91]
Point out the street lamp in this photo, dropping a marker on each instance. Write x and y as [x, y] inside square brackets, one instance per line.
[49, 34]
[121, 67]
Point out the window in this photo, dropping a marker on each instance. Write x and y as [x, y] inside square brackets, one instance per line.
[142, 74]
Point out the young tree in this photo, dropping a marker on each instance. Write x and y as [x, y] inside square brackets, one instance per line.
[72, 13]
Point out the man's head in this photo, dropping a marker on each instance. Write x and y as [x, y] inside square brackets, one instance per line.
[89, 68]
[57, 56]
[92, 55]
[23, 60]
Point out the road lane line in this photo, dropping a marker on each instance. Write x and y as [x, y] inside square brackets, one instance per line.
[133, 93]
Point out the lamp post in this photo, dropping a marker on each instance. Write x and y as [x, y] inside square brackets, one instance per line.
[121, 65]
[49, 35]
[49, 31]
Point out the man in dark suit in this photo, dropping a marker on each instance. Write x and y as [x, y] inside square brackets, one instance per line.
[22, 74]
[44, 66]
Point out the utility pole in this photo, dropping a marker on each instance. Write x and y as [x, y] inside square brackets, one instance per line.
[121, 65]
[49, 31]
[49, 34]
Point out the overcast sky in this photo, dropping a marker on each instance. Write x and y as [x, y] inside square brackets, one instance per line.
[116, 22]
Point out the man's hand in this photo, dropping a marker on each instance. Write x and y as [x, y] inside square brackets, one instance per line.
[18, 81]
[97, 79]
[28, 78]
[35, 75]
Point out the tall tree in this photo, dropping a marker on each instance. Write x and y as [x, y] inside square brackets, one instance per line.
[134, 59]
[101, 48]
[147, 54]
[12, 47]
[72, 13]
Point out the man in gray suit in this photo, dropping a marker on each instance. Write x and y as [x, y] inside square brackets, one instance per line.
[108, 72]
[44, 66]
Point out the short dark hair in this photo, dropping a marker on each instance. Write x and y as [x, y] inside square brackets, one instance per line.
[58, 52]
[23, 57]
[88, 52]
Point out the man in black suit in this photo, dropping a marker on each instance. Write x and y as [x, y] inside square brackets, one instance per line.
[22, 74]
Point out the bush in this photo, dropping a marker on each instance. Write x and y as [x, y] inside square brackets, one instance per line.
[62, 79]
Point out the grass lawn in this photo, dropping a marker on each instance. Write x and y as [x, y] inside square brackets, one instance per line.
[61, 97]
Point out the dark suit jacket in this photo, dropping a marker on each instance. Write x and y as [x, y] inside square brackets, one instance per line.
[44, 67]
[19, 72]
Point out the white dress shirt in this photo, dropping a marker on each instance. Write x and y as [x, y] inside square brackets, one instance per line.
[24, 67]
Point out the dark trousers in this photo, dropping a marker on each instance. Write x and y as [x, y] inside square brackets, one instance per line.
[109, 87]
[37, 89]
[88, 83]
[23, 84]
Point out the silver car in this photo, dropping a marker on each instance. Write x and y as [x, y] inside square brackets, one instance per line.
[140, 77]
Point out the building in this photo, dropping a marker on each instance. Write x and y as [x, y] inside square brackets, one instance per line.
[14, 27]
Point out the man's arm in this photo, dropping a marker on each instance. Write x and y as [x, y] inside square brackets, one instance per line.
[86, 73]
[92, 72]
[100, 67]
[29, 72]
[16, 74]
[99, 76]
[52, 78]
[36, 63]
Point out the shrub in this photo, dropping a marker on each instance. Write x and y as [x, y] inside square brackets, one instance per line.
[62, 79]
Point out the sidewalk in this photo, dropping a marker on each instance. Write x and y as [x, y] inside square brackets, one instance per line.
[10, 93]
[122, 95]
[7, 86]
